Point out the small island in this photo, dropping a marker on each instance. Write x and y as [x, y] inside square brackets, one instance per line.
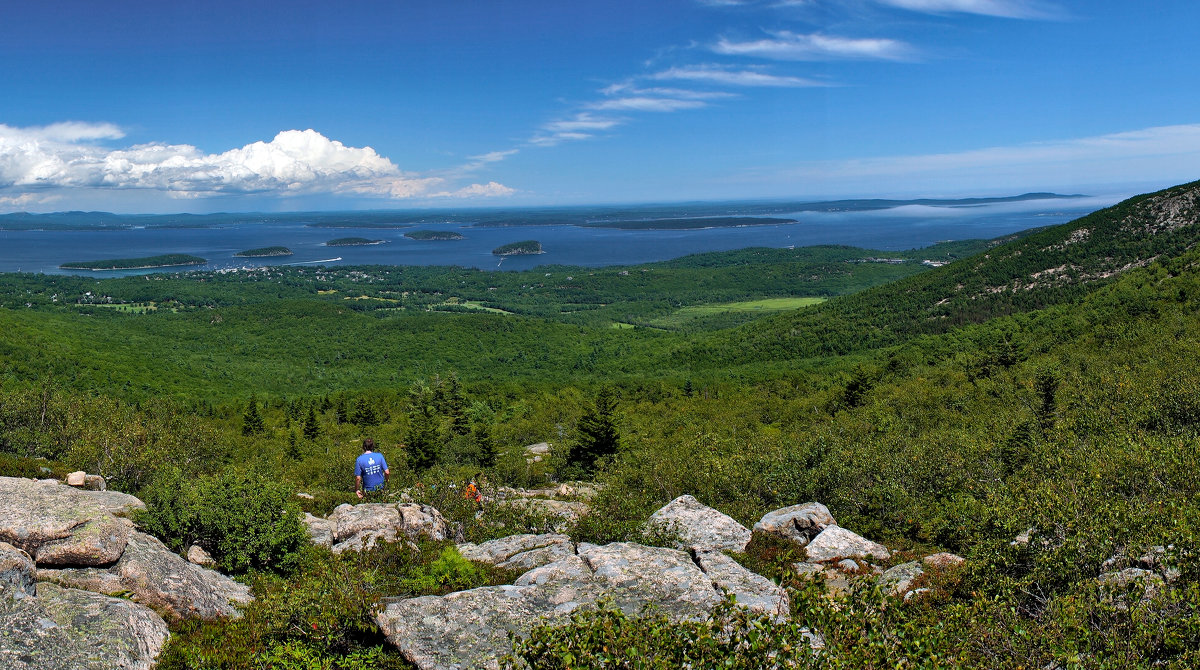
[427, 235]
[523, 248]
[149, 262]
[264, 252]
[351, 242]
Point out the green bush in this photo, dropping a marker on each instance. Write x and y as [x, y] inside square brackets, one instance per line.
[245, 520]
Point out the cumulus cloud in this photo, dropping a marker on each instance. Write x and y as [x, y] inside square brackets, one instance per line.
[67, 156]
[719, 75]
[786, 45]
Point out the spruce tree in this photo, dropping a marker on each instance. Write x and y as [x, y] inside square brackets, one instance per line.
[422, 429]
[312, 429]
[252, 421]
[364, 414]
[596, 433]
[485, 447]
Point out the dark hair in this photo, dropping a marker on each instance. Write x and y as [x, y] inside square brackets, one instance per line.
[368, 444]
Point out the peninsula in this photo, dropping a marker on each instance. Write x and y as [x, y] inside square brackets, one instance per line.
[523, 248]
[163, 261]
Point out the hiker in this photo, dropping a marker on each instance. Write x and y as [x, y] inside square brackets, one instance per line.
[370, 470]
[471, 492]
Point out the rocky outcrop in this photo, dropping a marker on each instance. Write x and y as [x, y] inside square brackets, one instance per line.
[70, 629]
[117, 503]
[158, 577]
[197, 556]
[836, 543]
[560, 514]
[358, 527]
[699, 527]
[469, 629]
[59, 525]
[320, 531]
[899, 580]
[16, 573]
[798, 524]
[520, 552]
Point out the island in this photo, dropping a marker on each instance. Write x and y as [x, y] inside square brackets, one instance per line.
[426, 235]
[522, 248]
[264, 252]
[351, 242]
[163, 261]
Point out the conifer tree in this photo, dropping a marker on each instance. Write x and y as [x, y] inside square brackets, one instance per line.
[364, 414]
[312, 429]
[252, 421]
[485, 447]
[596, 433]
[422, 429]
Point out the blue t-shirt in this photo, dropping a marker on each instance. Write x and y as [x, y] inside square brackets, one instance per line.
[370, 467]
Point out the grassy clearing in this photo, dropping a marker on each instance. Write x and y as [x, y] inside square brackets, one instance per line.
[133, 308]
[685, 315]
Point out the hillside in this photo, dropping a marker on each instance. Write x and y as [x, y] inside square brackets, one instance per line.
[1047, 435]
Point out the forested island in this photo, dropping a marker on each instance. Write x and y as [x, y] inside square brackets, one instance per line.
[264, 252]
[522, 248]
[352, 242]
[428, 235]
[163, 261]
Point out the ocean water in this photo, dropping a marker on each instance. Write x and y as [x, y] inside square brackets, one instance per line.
[893, 229]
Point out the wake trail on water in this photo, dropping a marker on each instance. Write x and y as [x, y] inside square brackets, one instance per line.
[326, 260]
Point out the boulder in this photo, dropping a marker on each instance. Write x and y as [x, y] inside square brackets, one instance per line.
[197, 556]
[798, 523]
[17, 573]
[752, 591]
[358, 527]
[95, 483]
[156, 576]
[520, 552]
[539, 449]
[1120, 580]
[899, 580]
[76, 478]
[469, 629]
[836, 543]
[69, 629]
[700, 528]
[59, 525]
[943, 561]
[320, 531]
[117, 503]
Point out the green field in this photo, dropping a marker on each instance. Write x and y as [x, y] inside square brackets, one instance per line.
[686, 315]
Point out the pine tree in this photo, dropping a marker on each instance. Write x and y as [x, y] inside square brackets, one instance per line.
[342, 415]
[364, 414]
[252, 421]
[485, 447]
[312, 429]
[422, 429]
[597, 435]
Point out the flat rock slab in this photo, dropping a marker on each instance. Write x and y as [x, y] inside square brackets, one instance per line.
[117, 503]
[156, 576]
[469, 629]
[69, 629]
[798, 524]
[59, 525]
[836, 543]
[520, 552]
[700, 527]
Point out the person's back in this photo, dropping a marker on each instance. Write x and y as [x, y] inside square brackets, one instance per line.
[370, 469]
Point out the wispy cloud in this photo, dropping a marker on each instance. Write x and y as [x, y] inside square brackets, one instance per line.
[716, 74]
[581, 126]
[1011, 9]
[786, 45]
[641, 103]
[65, 156]
[1167, 153]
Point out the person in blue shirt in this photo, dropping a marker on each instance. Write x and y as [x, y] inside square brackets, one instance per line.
[370, 470]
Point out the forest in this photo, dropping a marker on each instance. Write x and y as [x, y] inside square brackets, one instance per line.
[1044, 385]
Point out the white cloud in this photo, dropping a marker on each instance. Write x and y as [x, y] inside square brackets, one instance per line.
[65, 156]
[1167, 154]
[1012, 9]
[488, 190]
[786, 45]
[641, 103]
[716, 74]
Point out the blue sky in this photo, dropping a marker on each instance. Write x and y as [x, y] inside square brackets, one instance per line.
[226, 106]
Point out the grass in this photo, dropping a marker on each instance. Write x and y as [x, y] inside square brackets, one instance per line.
[684, 315]
[134, 308]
